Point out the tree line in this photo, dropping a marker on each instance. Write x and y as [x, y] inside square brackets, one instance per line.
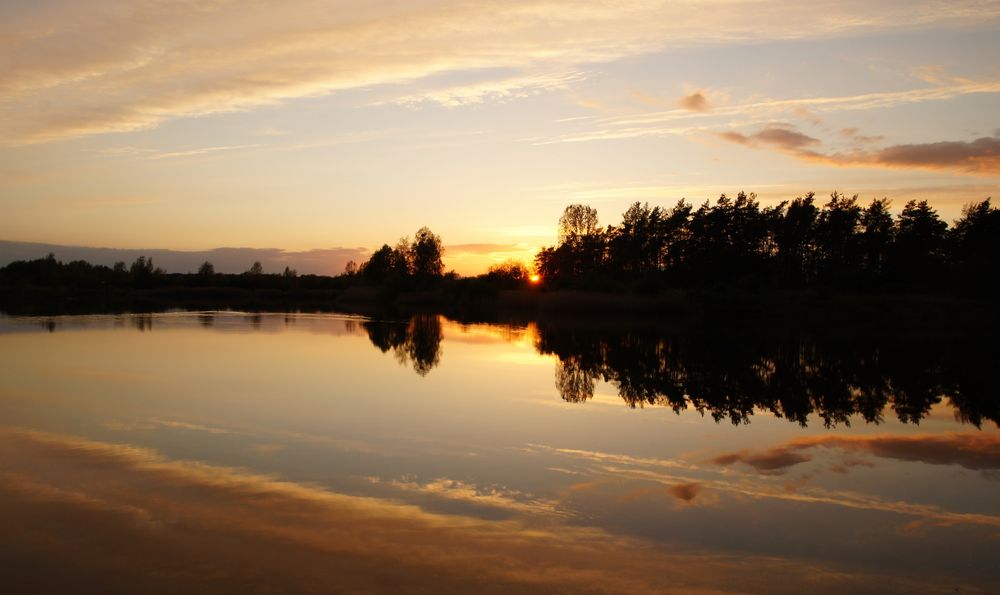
[409, 263]
[140, 274]
[735, 242]
[840, 246]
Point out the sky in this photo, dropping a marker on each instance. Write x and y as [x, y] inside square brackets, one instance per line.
[331, 127]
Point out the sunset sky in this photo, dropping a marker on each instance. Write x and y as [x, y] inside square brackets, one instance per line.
[314, 125]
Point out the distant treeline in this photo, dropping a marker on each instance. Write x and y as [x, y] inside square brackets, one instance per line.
[47, 286]
[143, 274]
[734, 242]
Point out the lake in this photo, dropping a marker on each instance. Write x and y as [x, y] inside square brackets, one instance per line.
[221, 452]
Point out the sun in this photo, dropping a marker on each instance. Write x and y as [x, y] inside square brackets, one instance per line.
[535, 278]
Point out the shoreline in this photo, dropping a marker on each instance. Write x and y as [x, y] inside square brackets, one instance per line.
[805, 309]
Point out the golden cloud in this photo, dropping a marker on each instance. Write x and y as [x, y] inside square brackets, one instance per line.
[980, 156]
[695, 102]
[129, 519]
[979, 452]
[71, 69]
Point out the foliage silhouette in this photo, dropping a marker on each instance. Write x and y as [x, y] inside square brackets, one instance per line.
[724, 251]
[734, 242]
[729, 373]
[417, 342]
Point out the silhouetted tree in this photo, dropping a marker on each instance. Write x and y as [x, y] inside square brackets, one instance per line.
[423, 345]
[256, 269]
[635, 247]
[577, 222]
[729, 240]
[837, 240]
[378, 268]
[794, 236]
[142, 272]
[575, 384]
[876, 237]
[141, 267]
[974, 248]
[401, 260]
[917, 252]
[581, 249]
[417, 343]
[508, 274]
[206, 269]
[426, 252]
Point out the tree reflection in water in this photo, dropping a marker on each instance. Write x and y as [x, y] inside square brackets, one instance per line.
[728, 374]
[417, 342]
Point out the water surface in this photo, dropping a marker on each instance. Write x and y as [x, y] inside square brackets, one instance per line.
[230, 452]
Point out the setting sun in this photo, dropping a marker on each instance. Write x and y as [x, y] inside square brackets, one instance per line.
[535, 278]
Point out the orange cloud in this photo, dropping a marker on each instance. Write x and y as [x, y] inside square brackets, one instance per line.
[979, 452]
[782, 137]
[695, 102]
[685, 492]
[981, 156]
[775, 460]
[123, 517]
[70, 69]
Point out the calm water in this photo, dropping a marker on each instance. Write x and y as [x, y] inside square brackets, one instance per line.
[226, 452]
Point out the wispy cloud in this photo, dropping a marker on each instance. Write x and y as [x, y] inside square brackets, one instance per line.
[71, 69]
[947, 449]
[683, 121]
[502, 89]
[161, 514]
[200, 151]
[490, 496]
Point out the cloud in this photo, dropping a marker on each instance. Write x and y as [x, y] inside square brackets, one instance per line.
[979, 452]
[781, 137]
[775, 460]
[854, 135]
[981, 156]
[686, 492]
[695, 102]
[70, 69]
[497, 90]
[665, 472]
[200, 151]
[680, 121]
[126, 514]
[490, 496]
